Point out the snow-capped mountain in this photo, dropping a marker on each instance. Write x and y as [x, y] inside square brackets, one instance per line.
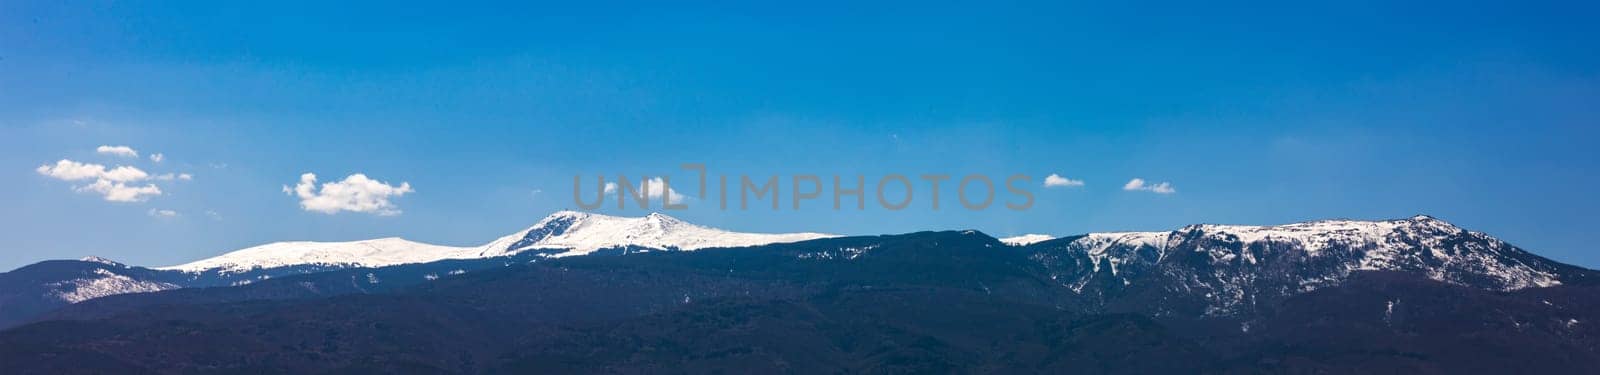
[1198, 270]
[103, 282]
[1231, 269]
[51, 284]
[368, 253]
[42, 286]
[1369, 289]
[564, 233]
[1027, 239]
[577, 233]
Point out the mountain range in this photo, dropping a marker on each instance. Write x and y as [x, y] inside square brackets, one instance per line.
[47, 285]
[1417, 293]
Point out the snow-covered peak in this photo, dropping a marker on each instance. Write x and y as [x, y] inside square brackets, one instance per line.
[580, 233]
[1096, 243]
[108, 262]
[367, 253]
[576, 233]
[565, 214]
[1420, 243]
[1026, 239]
[1315, 236]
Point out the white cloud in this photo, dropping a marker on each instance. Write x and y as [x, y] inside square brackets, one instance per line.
[157, 157]
[356, 193]
[67, 170]
[1138, 184]
[123, 151]
[1055, 180]
[656, 188]
[171, 176]
[113, 184]
[1134, 184]
[162, 213]
[121, 192]
[124, 174]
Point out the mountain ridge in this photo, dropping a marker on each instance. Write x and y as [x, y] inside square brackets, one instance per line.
[578, 232]
[932, 301]
[1225, 266]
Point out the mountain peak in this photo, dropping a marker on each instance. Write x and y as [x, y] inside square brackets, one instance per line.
[1332, 249]
[100, 260]
[1026, 239]
[1429, 220]
[1326, 225]
[363, 253]
[660, 216]
[566, 214]
[579, 233]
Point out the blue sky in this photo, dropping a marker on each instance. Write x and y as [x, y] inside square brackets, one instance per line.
[1481, 114]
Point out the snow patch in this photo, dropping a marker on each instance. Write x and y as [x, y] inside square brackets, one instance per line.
[102, 283]
[579, 233]
[108, 262]
[369, 253]
[1026, 239]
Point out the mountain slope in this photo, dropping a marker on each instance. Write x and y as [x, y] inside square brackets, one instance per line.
[571, 233]
[368, 253]
[1220, 270]
[40, 287]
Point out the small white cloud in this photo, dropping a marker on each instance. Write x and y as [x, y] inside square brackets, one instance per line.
[121, 192]
[157, 157]
[113, 184]
[1055, 180]
[1138, 184]
[657, 187]
[162, 213]
[125, 174]
[172, 176]
[123, 151]
[1134, 184]
[213, 215]
[68, 170]
[356, 193]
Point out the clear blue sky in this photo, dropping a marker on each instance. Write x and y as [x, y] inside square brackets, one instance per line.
[1484, 115]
